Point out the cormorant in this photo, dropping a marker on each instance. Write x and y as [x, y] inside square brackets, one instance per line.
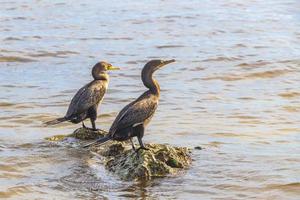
[85, 102]
[133, 118]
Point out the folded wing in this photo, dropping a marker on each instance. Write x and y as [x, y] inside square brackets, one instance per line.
[86, 97]
[134, 113]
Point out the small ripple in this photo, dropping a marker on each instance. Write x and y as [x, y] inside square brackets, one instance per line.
[140, 21]
[8, 168]
[224, 78]
[239, 46]
[16, 191]
[20, 18]
[221, 58]
[260, 47]
[15, 59]
[8, 86]
[211, 97]
[250, 122]
[59, 54]
[233, 135]
[106, 38]
[290, 130]
[11, 175]
[292, 108]
[243, 117]
[17, 106]
[289, 95]
[173, 16]
[259, 63]
[41, 117]
[254, 75]
[19, 86]
[246, 98]
[215, 144]
[194, 68]
[12, 39]
[169, 46]
[104, 115]
[268, 74]
[21, 121]
[57, 95]
[132, 62]
[6, 104]
[290, 187]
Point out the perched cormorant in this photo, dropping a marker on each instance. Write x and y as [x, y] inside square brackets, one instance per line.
[85, 102]
[134, 117]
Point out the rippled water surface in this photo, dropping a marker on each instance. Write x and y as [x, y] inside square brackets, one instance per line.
[234, 90]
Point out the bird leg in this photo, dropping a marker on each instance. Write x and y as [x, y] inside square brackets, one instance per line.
[139, 131]
[92, 114]
[133, 147]
[142, 146]
[93, 125]
[92, 129]
[83, 126]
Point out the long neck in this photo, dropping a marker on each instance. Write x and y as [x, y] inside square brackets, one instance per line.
[101, 76]
[150, 82]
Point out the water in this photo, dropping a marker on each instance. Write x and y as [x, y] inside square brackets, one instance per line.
[234, 91]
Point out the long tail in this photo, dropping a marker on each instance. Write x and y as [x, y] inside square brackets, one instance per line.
[98, 141]
[56, 121]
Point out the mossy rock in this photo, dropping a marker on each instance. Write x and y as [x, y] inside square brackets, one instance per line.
[80, 133]
[119, 157]
[159, 161]
[56, 138]
[87, 134]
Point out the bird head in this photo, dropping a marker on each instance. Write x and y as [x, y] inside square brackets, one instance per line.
[149, 69]
[154, 65]
[101, 67]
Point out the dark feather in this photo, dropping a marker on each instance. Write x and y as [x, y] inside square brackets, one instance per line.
[56, 121]
[98, 141]
[136, 112]
[88, 96]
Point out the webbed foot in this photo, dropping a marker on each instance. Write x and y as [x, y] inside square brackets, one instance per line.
[138, 149]
[91, 129]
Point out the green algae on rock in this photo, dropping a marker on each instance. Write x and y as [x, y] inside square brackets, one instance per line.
[87, 134]
[56, 138]
[80, 133]
[159, 161]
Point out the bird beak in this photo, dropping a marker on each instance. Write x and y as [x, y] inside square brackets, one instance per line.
[167, 62]
[113, 68]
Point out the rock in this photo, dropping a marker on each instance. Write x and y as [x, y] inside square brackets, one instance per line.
[80, 133]
[87, 134]
[56, 138]
[159, 161]
[198, 148]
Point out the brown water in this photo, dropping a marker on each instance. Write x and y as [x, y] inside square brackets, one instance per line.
[234, 90]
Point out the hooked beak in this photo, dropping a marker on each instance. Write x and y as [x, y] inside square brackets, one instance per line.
[113, 68]
[166, 62]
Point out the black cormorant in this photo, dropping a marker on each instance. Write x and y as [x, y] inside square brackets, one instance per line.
[134, 117]
[85, 102]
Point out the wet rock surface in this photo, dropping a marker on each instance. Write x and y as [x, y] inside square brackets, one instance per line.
[159, 161]
[80, 133]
